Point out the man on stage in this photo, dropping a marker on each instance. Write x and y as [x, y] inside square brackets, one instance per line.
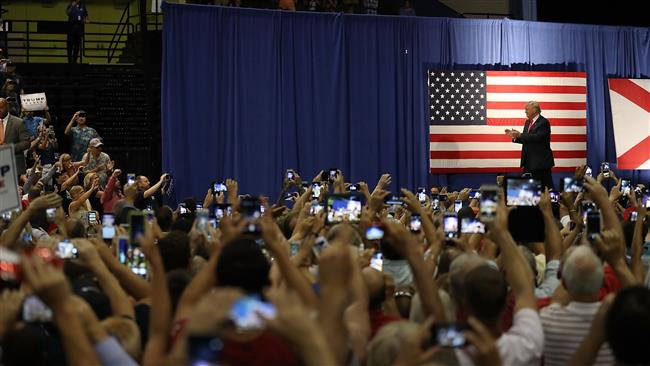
[536, 154]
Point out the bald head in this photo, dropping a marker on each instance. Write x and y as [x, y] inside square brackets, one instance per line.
[582, 273]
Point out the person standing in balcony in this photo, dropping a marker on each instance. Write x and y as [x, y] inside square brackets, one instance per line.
[77, 18]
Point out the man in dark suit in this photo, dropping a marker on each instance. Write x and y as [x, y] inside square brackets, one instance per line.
[13, 131]
[536, 154]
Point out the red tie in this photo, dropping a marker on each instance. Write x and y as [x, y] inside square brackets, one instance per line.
[530, 126]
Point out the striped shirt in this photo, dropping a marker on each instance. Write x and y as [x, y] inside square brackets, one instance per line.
[564, 329]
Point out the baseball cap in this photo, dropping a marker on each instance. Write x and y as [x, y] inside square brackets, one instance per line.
[96, 142]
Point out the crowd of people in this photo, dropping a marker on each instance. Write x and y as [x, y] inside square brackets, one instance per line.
[385, 7]
[237, 280]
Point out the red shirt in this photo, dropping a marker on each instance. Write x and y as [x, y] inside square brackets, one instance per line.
[378, 319]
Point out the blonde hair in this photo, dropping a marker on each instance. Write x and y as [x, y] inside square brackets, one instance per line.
[64, 157]
[76, 190]
[126, 332]
[88, 179]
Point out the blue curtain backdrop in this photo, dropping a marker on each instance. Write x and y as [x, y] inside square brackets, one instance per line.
[248, 93]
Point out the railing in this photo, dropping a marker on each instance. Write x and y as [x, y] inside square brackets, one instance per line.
[25, 41]
[119, 31]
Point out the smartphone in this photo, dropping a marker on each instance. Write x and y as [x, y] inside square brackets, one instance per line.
[91, 216]
[221, 210]
[458, 204]
[50, 214]
[251, 210]
[375, 232]
[315, 190]
[604, 167]
[523, 192]
[555, 196]
[645, 200]
[353, 187]
[377, 261]
[475, 195]
[571, 184]
[35, 310]
[294, 247]
[527, 175]
[633, 215]
[202, 216]
[130, 178]
[108, 226]
[245, 313]
[150, 214]
[342, 207]
[450, 225]
[290, 174]
[593, 224]
[625, 187]
[316, 208]
[587, 206]
[415, 223]
[218, 187]
[488, 202]
[333, 174]
[393, 201]
[136, 225]
[122, 249]
[182, 209]
[66, 250]
[449, 335]
[422, 194]
[588, 171]
[470, 225]
[203, 350]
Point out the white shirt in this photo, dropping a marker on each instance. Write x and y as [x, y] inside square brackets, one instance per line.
[5, 121]
[564, 329]
[521, 345]
[532, 122]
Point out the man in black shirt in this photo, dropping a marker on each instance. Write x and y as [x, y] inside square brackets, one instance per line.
[77, 18]
[146, 192]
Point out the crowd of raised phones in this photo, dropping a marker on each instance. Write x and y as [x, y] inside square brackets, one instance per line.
[95, 270]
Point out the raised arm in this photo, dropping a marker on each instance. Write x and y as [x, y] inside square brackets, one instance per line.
[153, 189]
[636, 265]
[74, 205]
[119, 300]
[161, 308]
[50, 285]
[518, 273]
[73, 120]
[552, 237]
[16, 227]
[406, 244]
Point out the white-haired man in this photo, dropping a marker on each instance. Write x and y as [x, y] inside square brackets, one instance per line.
[565, 326]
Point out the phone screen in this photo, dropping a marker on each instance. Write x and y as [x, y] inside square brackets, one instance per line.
[523, 192]
[450, 226]
[92, 217]
[448, 335]
[458, 204]
[604, 167]
[108, 226]
[130, 178]
[377, 261]
[66, 250]
[315, 190]
[333, 173]
[625, 187]
[593, 224]
[555, 196]
[646, 200]
[35, 310]
[203, 350]
[422, 195]
[136, 224]
[222, 210]
[343, 207]
[122, 249]
[290, 175]
[470, 225]
[245, 310]
[588, 171]
[374, 232]
[416, 223]
[50, 214]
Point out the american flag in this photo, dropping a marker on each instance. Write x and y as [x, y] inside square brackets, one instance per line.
[631, 119]
[469, 111]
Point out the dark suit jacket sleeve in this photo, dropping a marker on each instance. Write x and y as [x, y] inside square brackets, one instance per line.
[23, 137]
[542, 133]
[517, 141]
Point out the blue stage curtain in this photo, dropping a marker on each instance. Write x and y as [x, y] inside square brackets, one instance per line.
[248, 93]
